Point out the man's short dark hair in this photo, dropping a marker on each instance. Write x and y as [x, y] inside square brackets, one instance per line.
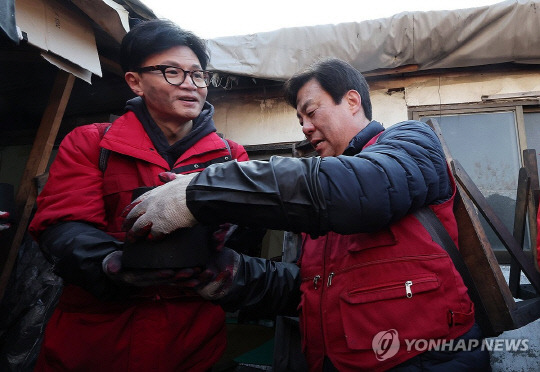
[151, 37]
[336, 77]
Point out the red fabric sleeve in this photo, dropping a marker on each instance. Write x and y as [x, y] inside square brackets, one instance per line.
[73, 191]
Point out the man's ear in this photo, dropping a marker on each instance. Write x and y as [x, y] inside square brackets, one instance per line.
[133, 80]
[353, 100]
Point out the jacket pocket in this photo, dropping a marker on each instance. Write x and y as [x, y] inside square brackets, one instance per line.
[381, 238]
[392, 290]
[410, 304]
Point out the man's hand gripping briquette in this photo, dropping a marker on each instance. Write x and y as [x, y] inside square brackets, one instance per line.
[160, 211]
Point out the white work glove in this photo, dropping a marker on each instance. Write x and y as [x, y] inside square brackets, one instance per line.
[161, 210]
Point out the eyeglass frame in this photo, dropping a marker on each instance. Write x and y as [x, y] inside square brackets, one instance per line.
[162, 68]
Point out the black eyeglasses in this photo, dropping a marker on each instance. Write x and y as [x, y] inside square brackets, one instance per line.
[176, 76]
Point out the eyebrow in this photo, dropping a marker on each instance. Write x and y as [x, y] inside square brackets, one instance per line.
[175, 64]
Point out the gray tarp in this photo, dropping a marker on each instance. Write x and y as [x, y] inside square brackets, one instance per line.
[505, 32]
[7, 20]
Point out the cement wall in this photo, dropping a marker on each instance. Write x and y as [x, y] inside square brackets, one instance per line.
[469, 88]
[253, 121]
[262, 121]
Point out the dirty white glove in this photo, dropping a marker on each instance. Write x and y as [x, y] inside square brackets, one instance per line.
[161, 210]
[216, 281]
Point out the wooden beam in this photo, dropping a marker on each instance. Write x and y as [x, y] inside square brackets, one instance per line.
[520, 218]
[511, 96]
[531, 165]
[494, 312]
[36, 165]
[496, 224]
[379, 81]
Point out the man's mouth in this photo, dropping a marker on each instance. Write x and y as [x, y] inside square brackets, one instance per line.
[188, 99]
[316, 143]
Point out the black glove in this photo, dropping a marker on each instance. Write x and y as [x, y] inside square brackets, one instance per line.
[112, 267]
[216, 281]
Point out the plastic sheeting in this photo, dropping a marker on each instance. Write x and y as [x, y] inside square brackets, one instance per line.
[7, 20]
[28, 303]
[500, 33]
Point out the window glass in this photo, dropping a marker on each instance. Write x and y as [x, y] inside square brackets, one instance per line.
[486, 145]
[532, 131]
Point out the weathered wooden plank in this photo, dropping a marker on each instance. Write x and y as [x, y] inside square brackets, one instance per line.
[494, 313]
[530, 163]
[520, 220]
[496, 224]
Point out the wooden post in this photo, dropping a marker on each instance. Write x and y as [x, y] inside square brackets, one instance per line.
[520, 218]
[530, 163]
[494, 312]
[36, 165]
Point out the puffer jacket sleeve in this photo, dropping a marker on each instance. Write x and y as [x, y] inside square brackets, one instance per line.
[281, 194]
[404, 170]
[77, 250]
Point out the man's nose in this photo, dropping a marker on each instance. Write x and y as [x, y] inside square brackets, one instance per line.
[188, 83]
[307, 127]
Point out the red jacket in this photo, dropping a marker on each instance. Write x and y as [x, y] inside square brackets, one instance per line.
[157, 331]
[362, 290]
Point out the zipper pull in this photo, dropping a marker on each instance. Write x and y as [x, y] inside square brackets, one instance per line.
[316, 280]
[329, 283]
[408, 285]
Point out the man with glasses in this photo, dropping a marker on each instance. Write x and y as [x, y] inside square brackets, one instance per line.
[108, 319]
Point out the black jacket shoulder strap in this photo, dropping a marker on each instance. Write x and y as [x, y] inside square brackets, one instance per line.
[440, 235]
[103, 153]
[228, 146]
